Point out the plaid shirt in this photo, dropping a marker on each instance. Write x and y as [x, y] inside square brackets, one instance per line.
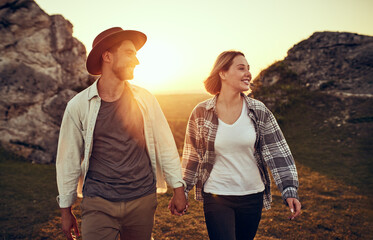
[271, 149]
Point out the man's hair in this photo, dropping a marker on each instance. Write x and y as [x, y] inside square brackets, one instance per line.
[115, 47]
[222, 63]
[112, 49]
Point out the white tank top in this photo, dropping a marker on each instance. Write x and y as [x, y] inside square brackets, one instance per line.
[235, 171]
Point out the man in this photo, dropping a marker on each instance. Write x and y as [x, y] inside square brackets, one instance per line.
[115, 136]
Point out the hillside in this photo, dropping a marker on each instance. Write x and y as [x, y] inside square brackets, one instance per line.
[332, 209]
[325, 113]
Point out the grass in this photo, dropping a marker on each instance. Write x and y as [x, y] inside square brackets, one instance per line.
[334, 165]
[331, 210]
[323, 135]
[27, 196]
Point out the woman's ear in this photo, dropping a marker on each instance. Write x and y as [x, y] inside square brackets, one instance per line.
[221, 75]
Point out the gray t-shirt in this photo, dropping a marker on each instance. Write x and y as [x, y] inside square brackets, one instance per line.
[120, 168]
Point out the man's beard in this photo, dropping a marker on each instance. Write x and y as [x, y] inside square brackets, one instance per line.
[124, 74]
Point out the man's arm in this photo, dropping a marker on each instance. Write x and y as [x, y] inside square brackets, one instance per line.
[191, 159]
[169, 160]
[166, 151]
[69, 153]
[69, 223]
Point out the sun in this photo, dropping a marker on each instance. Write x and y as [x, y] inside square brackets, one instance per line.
[160, 66]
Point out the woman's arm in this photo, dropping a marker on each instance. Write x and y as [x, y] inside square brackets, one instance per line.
[192, 154]
[278, 157]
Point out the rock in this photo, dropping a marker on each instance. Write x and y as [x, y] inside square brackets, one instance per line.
[337, 63]
[42, 66]
[328, 78]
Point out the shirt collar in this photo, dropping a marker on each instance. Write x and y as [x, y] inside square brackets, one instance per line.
[93, 91]
[248, 100]
[211, 104]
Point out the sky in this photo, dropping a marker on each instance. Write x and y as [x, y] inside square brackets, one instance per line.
[185, 37]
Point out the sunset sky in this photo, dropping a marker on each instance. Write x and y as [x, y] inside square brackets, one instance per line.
[185, 37]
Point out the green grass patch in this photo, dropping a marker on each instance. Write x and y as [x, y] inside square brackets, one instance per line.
[27, 193]
[320, 135]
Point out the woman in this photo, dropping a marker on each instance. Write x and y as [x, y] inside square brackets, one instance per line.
[230, 141]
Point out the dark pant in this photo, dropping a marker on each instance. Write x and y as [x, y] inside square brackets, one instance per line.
[232, 217]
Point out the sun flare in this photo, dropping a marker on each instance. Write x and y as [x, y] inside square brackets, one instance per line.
[160, 65]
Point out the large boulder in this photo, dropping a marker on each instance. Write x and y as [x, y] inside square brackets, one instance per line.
[42, 66]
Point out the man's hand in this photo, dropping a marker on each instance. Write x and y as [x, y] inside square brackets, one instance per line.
[294, 206]
[178, 204]
[69, 223]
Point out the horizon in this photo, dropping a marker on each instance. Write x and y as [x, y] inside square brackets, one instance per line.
[184, 39]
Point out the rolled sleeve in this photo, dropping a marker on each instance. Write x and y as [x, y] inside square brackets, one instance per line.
[177, 184]
[65, 201]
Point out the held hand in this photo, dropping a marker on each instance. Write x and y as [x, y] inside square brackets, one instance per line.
[294, 206]
[69, 223]
[173, 209]
[178, 204]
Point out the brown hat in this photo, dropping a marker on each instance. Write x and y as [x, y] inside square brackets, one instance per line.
[106, 40]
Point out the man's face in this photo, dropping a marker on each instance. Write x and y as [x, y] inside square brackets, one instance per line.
[124, 60]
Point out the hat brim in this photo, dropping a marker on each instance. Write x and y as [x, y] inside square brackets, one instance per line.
[93, 63]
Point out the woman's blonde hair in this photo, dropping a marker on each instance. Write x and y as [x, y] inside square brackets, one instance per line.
[222, 63]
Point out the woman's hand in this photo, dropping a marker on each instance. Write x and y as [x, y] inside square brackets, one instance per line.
[294, 206]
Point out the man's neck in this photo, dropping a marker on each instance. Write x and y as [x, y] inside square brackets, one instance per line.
[110, 89]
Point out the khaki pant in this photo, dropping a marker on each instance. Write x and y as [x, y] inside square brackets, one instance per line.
[133, 220]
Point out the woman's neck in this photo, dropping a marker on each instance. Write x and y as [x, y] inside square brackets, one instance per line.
[229, 98]
[229, 106]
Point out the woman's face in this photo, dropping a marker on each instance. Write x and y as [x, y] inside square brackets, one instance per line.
[238, 76]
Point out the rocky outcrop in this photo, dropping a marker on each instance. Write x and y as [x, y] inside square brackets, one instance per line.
[321, 95]
[42, 66]
[337, 63]
[325, 84]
